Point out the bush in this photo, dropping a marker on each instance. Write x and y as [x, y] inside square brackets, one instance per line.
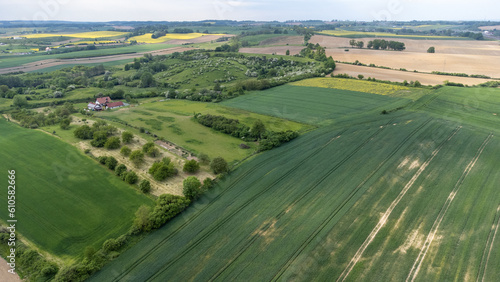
[112, 143]
[111, 163]
[153, 152]
[127, 137]
[111, 245]
[137, 157]
[64, 124]
[102, 159]
[145, 186]
[191, 187]
[119, 170]
[131, 177]
[204, 159]
[125, 151]
[167, 206]
[191, 166]
[219, 165]
[100, 138]
[163, 170]
[146, 147]
[83, 132]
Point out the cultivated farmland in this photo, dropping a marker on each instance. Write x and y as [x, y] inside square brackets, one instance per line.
[411, 195]
[66, 201]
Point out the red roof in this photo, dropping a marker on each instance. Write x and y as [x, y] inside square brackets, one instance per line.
[115, 104]
[103, 100]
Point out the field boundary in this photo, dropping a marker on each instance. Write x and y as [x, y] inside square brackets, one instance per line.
[435, 226]
[393, 205]
[490, 241]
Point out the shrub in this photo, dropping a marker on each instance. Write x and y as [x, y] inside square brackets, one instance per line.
[125, 151]
[167, 206]
[219, 165]
[131, 177]
[111, 163]
[127, 137]
[83, 132]
[204, 159]
[102, 159]
[137, 157]
[100, 138]
[112, 143]
[191, 166]
[191, 187]
[146, 147]
[111, 245]
[145, 186]
[119, 170]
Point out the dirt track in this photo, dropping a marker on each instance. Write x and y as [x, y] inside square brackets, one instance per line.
[5, 276]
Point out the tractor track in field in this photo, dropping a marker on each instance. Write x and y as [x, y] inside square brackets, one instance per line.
[241, 207]
[191, 219]
[491, 239]
[435, 226]
[393, 205]
[295, 201]
[321, 227]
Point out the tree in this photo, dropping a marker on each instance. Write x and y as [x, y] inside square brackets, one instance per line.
[145, 186]
[102, 159]
[111, 163]
[127, 137]
[431, 50]
[191, 187]
[64, 124]
[112, 143]
[153, 152]
[417, 83]
[137, 157]
[131, 177]
[125, 151]
[360, 76]
[19, 101]
[142, 220]
[287, 52]
[258, 129]
[146, 147]
[219, 165]
[162, 170]
[191, 166]
[119, 170]
[100, 138]
[360, 44]
[147, 80]
[352, 42]
[204, 159]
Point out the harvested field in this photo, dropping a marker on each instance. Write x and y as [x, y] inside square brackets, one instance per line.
[453, 56]
[400, 76]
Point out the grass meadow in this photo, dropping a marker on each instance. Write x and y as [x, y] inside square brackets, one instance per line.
[65, 201]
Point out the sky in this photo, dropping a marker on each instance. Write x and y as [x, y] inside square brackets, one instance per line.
[259, 10]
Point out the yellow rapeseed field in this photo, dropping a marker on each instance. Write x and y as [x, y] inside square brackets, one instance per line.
[146, 38]
[92, 34]
[352, 85]
[339, 32]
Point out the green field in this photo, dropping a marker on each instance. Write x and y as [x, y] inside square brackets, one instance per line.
[65, 200]
[408, 195]
[15, 61]
[173, 120]
[314, 105]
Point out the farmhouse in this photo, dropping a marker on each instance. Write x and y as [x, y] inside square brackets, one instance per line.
[93, 107]
[103, 101]
[114, 105]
